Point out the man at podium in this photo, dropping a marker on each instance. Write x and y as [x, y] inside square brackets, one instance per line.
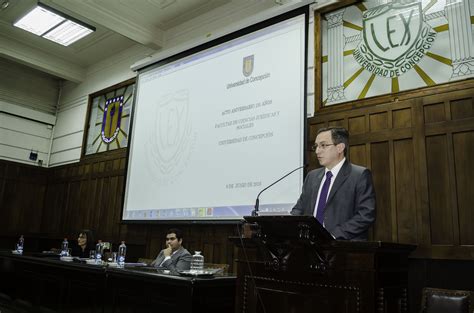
[339, 194]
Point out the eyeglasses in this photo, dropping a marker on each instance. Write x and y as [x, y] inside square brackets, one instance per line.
[321, 146]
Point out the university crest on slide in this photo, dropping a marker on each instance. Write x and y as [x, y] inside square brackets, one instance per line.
[247, 67]
[170, 142]
[111, 119]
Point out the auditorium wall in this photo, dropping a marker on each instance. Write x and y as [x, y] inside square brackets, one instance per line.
[418, 144]
[28, 102]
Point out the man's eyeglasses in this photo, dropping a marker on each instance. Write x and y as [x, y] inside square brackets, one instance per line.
[322, 146]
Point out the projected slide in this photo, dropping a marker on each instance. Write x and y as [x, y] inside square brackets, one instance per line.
[212, 129]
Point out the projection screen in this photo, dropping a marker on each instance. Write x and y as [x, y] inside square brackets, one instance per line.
[214, 126]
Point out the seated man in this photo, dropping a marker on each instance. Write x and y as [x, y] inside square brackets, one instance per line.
[174, 257]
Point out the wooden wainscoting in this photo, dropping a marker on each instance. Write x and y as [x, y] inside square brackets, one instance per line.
[22, 192]
[420, 150]
[48, 204]
[421, 153]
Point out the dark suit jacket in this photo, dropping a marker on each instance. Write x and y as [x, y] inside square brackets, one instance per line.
[350, 208]
[77, 251]
[180, 261]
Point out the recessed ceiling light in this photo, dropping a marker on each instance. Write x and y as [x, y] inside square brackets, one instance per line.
[56, 26]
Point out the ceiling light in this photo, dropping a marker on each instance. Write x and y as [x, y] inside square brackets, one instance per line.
[56, 26]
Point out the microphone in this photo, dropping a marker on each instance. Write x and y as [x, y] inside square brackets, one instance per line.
[257, 201]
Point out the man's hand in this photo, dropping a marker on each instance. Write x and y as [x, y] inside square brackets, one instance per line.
[167, 251]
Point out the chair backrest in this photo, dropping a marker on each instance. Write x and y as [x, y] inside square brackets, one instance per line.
[435, 300]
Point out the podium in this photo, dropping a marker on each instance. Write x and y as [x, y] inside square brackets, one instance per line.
[292, 264]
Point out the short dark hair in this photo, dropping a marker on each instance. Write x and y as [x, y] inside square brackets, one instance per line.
[90, 243]
[338, 135]
[176, 231]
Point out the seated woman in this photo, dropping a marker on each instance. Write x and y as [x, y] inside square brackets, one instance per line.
[85, 243]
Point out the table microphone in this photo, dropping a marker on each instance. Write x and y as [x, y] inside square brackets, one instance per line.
[257, 201]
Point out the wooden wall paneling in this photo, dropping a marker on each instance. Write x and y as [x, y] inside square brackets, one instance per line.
[88, 206]
[453, 202]
[420, 175]
[339, 122]
[223, 246]
[447, 126]
[102, 210]
[103, 196]
[402, 118]
[118, 205]
[53, 213]
[431, 135]
[72, 209]
[79, 216]
[392, 172]
[107, 214]
[314, 130]
[463, 144]
[357, 125]
[94, 202]
[209, 251]
[452, 180]
[378, 121]
[100, 179]
[404, 191]
[227, 246]
[32, 197]
[312, 159]
[434, 112]
[22, 196]
[358, 154]
[156, 239]
[379, 165]
[10, 212]
[462, 108]
[141, 234]
[441, 218]
[368, 164]
[411, 130]
[3, 184]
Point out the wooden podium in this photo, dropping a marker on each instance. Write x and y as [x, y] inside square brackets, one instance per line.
[292, 264]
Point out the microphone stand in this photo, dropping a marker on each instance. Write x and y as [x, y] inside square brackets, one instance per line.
[257, 201]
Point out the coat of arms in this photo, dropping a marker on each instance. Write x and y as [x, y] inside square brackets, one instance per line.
[111, 119]
[247, 67]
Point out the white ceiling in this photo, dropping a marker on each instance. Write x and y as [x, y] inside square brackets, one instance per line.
[120, 24]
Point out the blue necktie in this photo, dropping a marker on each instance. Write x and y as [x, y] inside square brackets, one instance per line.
[322, 198]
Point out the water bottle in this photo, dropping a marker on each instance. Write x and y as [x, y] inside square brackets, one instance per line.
[98, 252]
[64, 248]
[19, 245]
[122, 251]
[197, 263]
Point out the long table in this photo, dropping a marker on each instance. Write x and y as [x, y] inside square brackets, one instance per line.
[51, 285]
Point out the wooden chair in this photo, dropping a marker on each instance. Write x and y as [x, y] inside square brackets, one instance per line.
[435, 300]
